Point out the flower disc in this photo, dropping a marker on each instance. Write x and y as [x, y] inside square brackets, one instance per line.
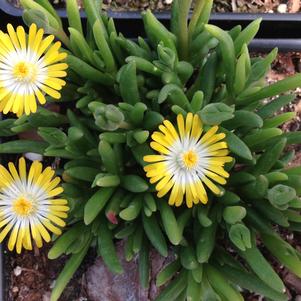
[187, 160]
[29, 69]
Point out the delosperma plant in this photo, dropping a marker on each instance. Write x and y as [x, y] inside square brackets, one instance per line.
[170, 142]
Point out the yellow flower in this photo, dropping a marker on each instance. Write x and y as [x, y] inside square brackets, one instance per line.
[28, 205]
[187, 160]
[29, 69]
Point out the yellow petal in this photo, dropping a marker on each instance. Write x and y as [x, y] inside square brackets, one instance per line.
[13, 237]
[27, 238]
[13, 171]
[40, 96]
[9, 104]
[215, 177]
[189, 197]
[44, 233]
[174, 194]
[189, 120]
[165, 189]
[215, 138]
[155, 166]
[17, 103]
[34, 172]
[170, 129]
[52, 228]
[157, 178]
[36, 235]
[163, 182]
[58, 202]
[217, 146]
[53, 93]
[13, 36]
[209, 134]
[56, 191]
[159, 148]
[4, 174]
[56, 220]
[181, 127]
[59, 208]
[48, 186]
[32, 103]
[32, 35]
[26, 105]
[45, 44]
[20, 238]
[197, 129]
[5, 231]
[179, 198]
[57, 67]
[161, 139]
[59, 214]
[21, 37]
[211, 186]
[153, 158]
[38, 40]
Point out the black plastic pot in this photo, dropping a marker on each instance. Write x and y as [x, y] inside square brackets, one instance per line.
[277, 30]
[2, 275]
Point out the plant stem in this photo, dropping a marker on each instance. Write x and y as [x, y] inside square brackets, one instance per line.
[198, 8]
[183, 37]
[61, 35]
[125, 125]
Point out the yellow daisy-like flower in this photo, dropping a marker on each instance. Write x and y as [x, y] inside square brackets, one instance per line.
[29, 208]
[187, 160]
[29, 69]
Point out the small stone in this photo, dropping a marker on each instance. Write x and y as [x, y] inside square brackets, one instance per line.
[52, 284]
[15, 289]
[282, 8]
[46, 296]
[293, 282]
[17, 271]
[34, 157]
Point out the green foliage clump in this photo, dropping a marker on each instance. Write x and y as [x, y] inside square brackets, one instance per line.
[118, 92]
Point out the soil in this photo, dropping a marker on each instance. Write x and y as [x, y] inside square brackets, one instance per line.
[30, 276]
[252, 6]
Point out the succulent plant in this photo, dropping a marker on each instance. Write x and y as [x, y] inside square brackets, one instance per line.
[118, 93]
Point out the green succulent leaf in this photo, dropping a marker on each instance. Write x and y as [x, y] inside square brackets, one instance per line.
[280, 196]
[216, 113]
[240, 236]
[234, 214]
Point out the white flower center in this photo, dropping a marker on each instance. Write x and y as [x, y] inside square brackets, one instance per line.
[24, 200]
[25, 72]
[187, 160]
[190, 159]
[23, 206]
[22, 72]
